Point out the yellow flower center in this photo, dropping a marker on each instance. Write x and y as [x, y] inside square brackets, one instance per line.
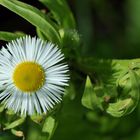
[29, 76]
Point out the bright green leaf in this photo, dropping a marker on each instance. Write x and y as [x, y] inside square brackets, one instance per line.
[15, 123]
[35, 17]
[7, 36]
[49, 126]
[90, 99]
[120, 108]
[40, 34]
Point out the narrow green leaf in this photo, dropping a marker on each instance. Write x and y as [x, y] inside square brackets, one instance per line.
[35, 17]
[7, 36]
[61, 12]
[15, 123]
[40, 34]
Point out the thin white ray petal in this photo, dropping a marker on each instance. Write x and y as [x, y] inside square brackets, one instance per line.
[47, 98]
[30, 105]
[24, 104]
[44, 53]
[10, 103]
[51, 93]
[36, 103]
[18, 101]
[42, 102]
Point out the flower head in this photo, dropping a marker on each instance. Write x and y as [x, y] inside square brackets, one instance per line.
[32, 75]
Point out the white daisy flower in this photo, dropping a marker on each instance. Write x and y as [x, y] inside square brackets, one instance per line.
[32, 76]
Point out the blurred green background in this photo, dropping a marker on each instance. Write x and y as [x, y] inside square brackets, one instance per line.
[109, 29]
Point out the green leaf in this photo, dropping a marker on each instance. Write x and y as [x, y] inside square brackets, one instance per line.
[117, 80]
[15, 123]
[61, 12]
[7, 36]
[49, 126]
[90, 99]
[120, 108]
[35, 17]
[135, 93]
[40, 34]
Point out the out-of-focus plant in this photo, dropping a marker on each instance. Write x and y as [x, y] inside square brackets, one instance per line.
[109, 86]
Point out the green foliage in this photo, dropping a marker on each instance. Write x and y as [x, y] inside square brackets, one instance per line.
[61, 13]
[120, 108]
[14, 124]
[35, 17]
[49, 126]
[116, 90]
[100, 91]
[90, 99]
[7, 36]
[131, 90]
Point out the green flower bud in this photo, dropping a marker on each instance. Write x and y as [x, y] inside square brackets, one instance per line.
[128, 95]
